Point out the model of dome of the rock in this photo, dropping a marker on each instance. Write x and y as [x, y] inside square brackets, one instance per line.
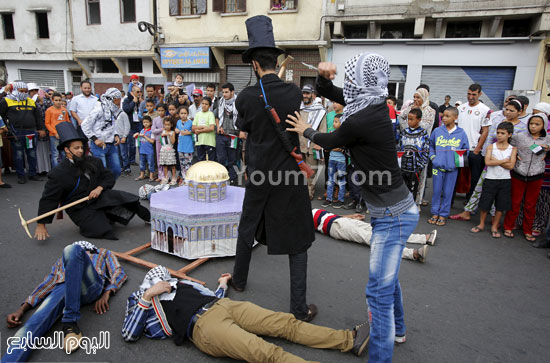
[207, 181]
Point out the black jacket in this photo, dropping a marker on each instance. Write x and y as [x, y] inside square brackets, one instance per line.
[284, 208]
[22, 115]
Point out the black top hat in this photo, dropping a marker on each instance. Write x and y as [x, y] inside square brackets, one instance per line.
[260, 35]
[67, 133]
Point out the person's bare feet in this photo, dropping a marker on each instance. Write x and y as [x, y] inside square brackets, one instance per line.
[464, 216]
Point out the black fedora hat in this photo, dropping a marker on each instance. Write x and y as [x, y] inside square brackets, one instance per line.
[67, 133]
[260, 35]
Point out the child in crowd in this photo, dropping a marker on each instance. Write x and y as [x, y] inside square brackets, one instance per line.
[167, 154]
[3, 129]
[55, 115]
[185, 141]
[145, 143]
[156, 129]
[413, 146]
[391, 101]
[204, 126]
[500, 158]
[178, 82]
[448, 149]
[528, 174]
[336, 172]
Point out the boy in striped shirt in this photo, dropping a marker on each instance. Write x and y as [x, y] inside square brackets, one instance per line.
[353, 228]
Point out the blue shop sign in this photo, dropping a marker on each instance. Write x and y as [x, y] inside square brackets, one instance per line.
[185, 57]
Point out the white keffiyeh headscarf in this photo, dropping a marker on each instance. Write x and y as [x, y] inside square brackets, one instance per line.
[366, 82]
[87, 246]
[157, 274]
[110, 110]
[15, 95]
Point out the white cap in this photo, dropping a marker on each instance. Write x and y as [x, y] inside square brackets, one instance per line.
[32, 86]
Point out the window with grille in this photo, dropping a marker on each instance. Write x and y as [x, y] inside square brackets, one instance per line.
[42, 25]
[229, 6]
[397, 31]
[463, 29]
[127, 11]
[187, 7]
[93, 13]
[135, 65]
[106, 66]
[516, 28]
[7, 22]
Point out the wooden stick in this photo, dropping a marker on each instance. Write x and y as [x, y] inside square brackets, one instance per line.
[57, 210]
[283, 65]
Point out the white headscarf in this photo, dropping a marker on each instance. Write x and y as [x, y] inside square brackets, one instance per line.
[15, 95]
[110, 110]
[544, 107]
[366, 82]
[157, 274]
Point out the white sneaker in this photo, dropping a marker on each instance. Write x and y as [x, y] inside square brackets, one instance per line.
[433, 236]
[400, 339]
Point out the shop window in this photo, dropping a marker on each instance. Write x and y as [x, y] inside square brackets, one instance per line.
[516, 28]
[229, 6]
[187, 7]
[106, 66]
[7, 22]
[397, 31]
[463, 29]
[135, 65]
[357, 31]
[42, 25]
[127, 11]
[93, 14]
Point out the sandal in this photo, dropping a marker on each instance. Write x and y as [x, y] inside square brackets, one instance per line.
[530, 237]
[139, 178]
[433, 220]
[424, 203]
[441, 221]
[495, 234]
[476, 229]
[458, 217]
[508, 234]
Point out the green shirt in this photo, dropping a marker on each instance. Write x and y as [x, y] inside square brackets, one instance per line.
[205, 119]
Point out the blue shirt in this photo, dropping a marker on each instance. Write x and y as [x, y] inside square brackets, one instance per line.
[185, 142]
[145, 147]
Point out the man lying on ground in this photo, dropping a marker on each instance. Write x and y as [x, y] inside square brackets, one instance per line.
[83, 275]
[352, 227]
[164, 307]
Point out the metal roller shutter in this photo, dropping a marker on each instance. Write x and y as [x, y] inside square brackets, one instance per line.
[398, 73]
[454, 81]
[240, 77]
[44, 78]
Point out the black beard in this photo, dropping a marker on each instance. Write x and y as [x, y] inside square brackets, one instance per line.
[84, 164]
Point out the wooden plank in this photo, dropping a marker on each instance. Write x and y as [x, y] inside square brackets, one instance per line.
[193, 265]
[138, 249]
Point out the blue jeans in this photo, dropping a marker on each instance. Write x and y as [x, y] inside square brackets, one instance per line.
[145, 159]
[336, 174]
[123, 152]
[134, 127]
[443, 187]
[82, 286]
[385, 303]
[109, 156]
[19, 148]
[54, 153]
[226, 155]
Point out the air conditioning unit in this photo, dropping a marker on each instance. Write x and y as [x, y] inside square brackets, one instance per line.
[341, 5]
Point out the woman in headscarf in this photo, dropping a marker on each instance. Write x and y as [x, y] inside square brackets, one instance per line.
[422, 101]
[100, 128]
[367, 133]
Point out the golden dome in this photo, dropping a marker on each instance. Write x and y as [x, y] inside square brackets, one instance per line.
[207, 172]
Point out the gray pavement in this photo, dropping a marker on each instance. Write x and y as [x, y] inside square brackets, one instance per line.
[476, 299]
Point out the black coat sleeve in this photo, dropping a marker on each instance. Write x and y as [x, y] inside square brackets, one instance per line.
[330, 91]
[105, 177]
[4, 110]
[39, 119]
[51, 197]
[342, 136]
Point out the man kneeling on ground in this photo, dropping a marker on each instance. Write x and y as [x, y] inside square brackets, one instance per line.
[165, 307]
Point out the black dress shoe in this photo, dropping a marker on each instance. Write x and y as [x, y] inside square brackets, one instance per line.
[350, 205]
[35, 178]
[545, 243]
[361, 338]
[21, 179]
[235, 287]
[311, 313]
[360, 208]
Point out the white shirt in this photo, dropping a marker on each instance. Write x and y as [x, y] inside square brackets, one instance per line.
[497, 171]
[83, 105]
[472, 119]
[193, 111]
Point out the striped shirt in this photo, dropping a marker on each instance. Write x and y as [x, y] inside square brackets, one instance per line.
[148, 318]
[322, 220]
[105, 263]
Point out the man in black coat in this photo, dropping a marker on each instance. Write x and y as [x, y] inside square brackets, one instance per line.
[276, 207]
[79, 176]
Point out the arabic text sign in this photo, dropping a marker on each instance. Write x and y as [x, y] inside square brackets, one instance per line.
[185, 57]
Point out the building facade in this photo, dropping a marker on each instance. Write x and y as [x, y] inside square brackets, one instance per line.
[447, 44]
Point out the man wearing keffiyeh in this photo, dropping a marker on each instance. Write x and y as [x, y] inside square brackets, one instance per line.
[84, 274]
[23, 119]
[100, 127]
[367, 133]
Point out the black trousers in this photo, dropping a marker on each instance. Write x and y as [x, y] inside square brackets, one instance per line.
[298, 276]
[411, 181]
[476, 163]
